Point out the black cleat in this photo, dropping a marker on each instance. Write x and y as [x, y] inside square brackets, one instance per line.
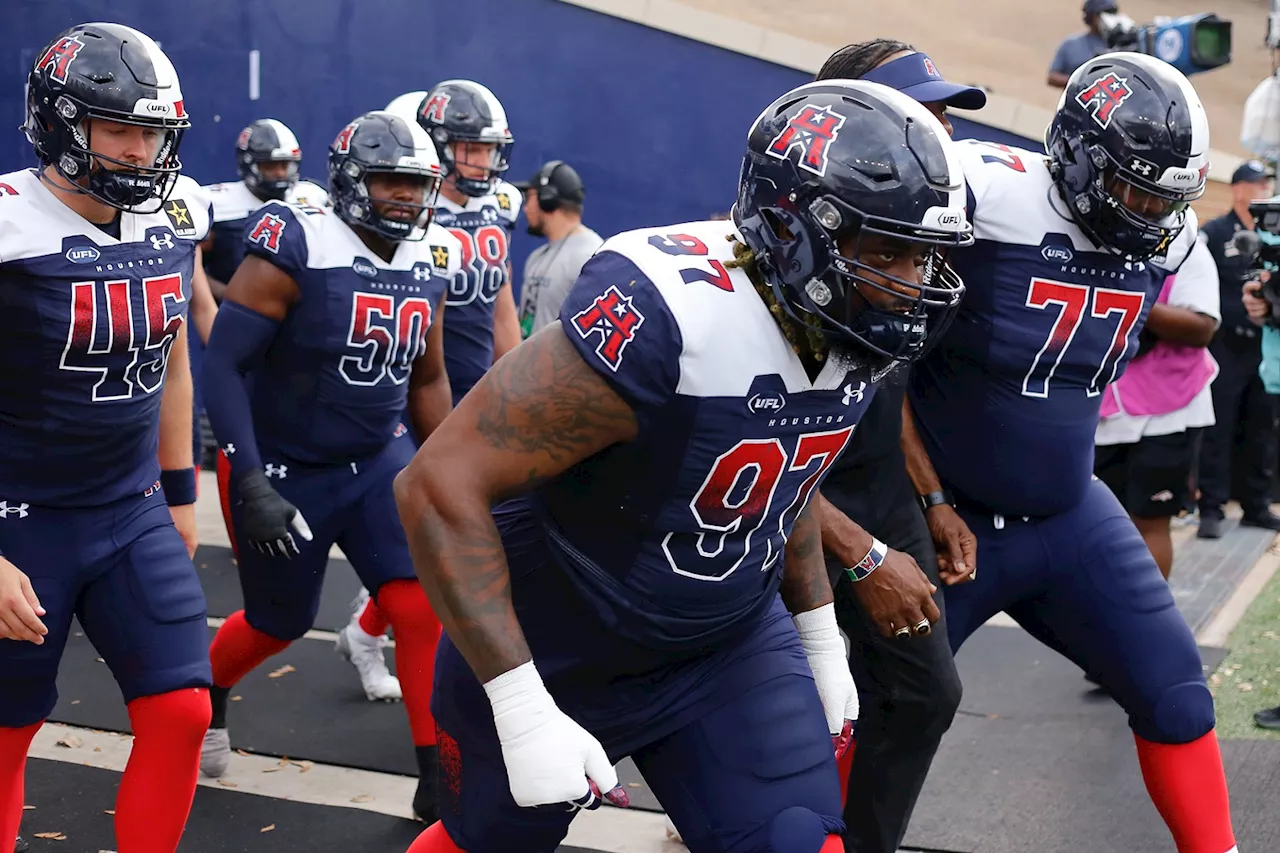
[425, 807]
[1266, 519]
[22, 846]
[1210, 527]
[1268, 719]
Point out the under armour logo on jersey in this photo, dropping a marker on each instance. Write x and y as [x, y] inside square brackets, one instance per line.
[230, 450]
[266, 233]
[1103, 96]
[812, 130]
[854, 396]
[20, 510]
[615, 318]
[161, 242]
[280, 471]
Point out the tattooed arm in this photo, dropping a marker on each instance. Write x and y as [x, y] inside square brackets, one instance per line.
[533, 415]
[805, 585]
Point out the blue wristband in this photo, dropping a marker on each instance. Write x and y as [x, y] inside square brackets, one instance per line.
[869, 563]
[179, 486]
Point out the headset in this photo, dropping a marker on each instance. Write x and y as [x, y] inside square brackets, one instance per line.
[548, 193]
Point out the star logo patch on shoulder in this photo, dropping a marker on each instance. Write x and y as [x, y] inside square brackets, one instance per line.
[180, 217]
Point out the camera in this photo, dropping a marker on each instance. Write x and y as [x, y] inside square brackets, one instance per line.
[1192, 43]
[1262, 247]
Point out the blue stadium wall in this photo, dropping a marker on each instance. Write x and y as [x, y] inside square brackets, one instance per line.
[654, 122]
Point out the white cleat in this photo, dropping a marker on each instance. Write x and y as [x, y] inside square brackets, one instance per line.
[215, 753]
[366, 654]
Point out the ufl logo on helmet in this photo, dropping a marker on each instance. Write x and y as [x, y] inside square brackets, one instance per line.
[811, 130]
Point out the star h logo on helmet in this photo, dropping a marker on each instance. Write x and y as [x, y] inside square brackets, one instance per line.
[811, 131]
[58, 58]
[1103, 96]
[342, 144]
[433, 109]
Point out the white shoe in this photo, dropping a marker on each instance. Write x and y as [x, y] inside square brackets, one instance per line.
[366, 654]
[215, 753]
[673, 834]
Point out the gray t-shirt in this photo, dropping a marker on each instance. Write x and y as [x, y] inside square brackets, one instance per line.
[549, 273]
[1076, 51]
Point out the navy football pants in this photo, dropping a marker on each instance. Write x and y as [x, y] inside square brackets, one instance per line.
[351, 505]
[123, 571]
[733, 742]
[1084, 584]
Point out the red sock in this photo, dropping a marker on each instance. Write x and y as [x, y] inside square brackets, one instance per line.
[434, 840]
[238, 648]
[834, 844]
[844, 766]
[372, 620]
[223, 470]
[14, 744]
[1189, 788]
[159, 781]
[417, 635]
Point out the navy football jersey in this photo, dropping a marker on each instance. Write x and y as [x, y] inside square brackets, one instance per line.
[676, 537]
[334, 384]
[483, 228]
[1008, 403]
[87, 322]
[232, 205]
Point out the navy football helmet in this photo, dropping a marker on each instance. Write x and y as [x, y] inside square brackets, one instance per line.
[1128, 150]
[111, 72]
[267, 141]
[465, 111]
[840, 160]
[382, 142]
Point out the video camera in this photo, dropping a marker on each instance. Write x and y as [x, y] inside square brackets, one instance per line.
[1262, 247]
[1192, 43]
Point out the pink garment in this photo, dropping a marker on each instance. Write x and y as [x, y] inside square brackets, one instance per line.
[1163, 380]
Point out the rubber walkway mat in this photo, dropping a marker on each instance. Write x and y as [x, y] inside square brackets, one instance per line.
[1038, 761]
[304, 703]
[71, 802]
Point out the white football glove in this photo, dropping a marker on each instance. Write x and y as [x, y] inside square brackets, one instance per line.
[824, 649]
[549, 757]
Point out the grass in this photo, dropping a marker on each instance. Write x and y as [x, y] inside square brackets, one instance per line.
[1249, 679]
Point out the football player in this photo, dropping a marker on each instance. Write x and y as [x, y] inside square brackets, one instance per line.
[330, 331]
[1071, 252]
[469, 127]
[657, 448]
[98, 247]
[267, 159]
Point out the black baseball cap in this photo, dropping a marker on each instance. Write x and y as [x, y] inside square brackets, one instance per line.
[562, 176]
[1096, 7]
[1250, 171]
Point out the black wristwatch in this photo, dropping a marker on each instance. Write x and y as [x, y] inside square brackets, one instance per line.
[929, 501]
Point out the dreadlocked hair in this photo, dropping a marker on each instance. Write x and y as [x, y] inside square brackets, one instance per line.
[855, 61]
[806, 338]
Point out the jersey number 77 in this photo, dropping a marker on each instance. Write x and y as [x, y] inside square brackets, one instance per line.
[1075, 304]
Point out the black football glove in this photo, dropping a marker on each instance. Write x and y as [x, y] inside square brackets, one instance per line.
[266, 518]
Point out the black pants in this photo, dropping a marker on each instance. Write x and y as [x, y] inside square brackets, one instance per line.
[1243, 437]
[909, 689]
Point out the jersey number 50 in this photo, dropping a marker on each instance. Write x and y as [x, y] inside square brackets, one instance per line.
[102, 337]
[388, 336]
[734, 502]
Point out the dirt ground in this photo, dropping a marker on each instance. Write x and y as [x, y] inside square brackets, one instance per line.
[1006, 45]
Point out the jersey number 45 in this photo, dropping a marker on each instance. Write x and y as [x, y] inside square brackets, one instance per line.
[103, 335]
